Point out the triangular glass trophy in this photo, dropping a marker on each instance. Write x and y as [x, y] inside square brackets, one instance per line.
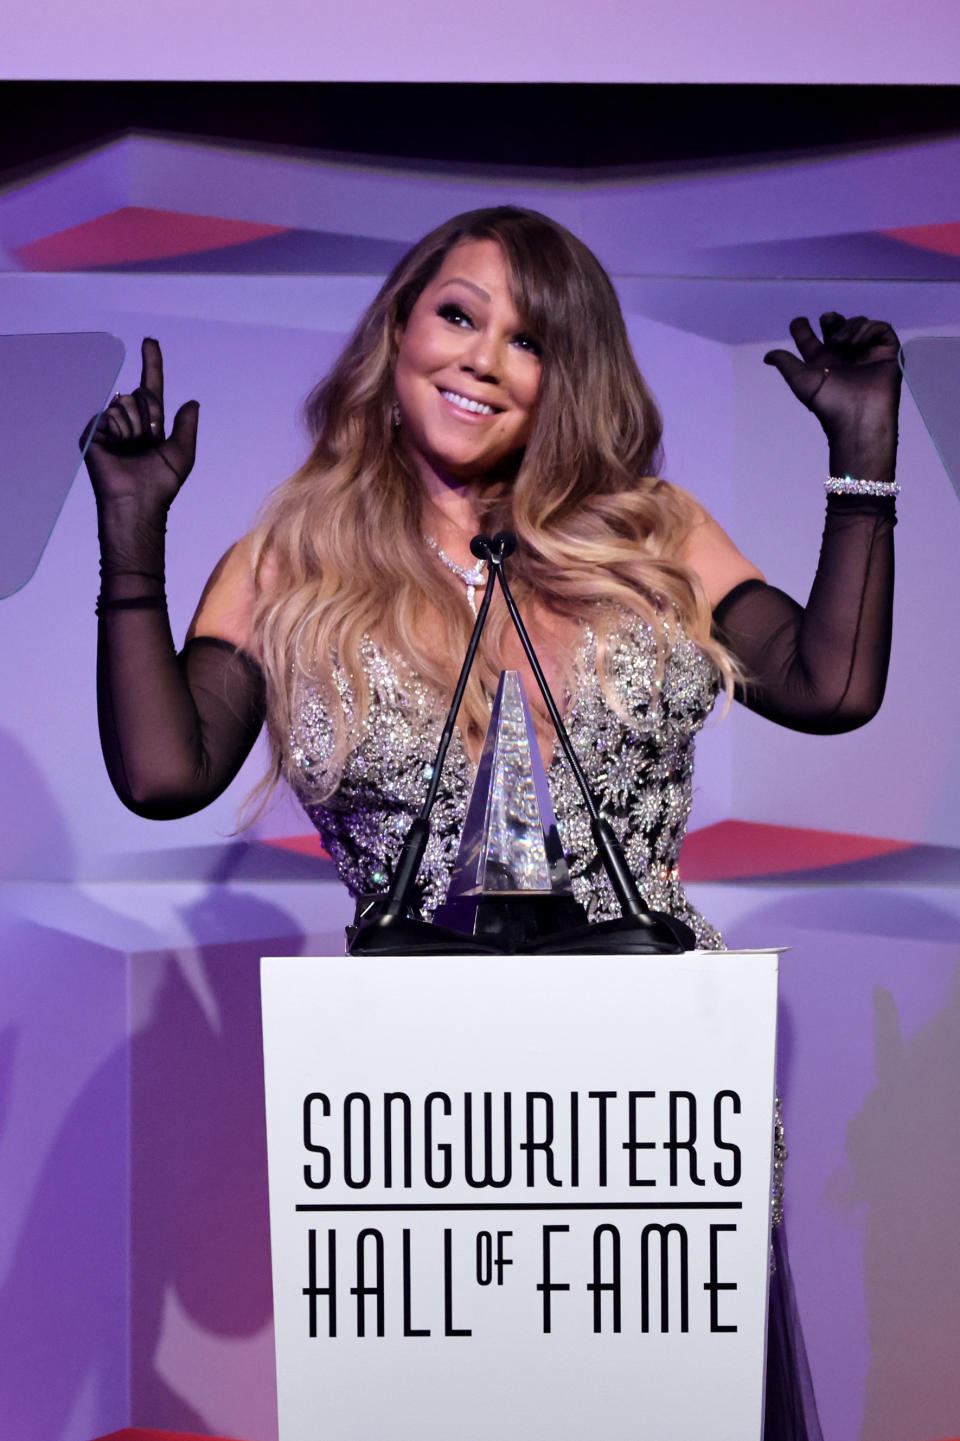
[510, 879]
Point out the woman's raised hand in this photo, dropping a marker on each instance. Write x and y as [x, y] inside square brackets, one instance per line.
[129, 455]
[850, 379]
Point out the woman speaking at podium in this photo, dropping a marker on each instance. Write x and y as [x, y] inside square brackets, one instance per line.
[491, 386]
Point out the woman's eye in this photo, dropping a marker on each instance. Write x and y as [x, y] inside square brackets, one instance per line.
[454, 314]
[527, 342]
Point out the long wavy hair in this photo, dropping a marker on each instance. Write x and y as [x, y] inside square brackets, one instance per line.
[598, 532]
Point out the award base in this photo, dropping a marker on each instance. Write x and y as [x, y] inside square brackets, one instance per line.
[513, 921]
[513, 925]
[409, 936]
[656, 934]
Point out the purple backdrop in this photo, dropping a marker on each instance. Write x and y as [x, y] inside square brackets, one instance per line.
[135, 1284]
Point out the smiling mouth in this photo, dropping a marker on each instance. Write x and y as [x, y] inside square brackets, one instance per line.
[473, 407]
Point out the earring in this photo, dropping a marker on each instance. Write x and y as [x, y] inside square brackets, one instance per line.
[395, 414]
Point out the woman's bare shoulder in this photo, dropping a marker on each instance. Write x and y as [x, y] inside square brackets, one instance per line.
[708, 550]
[229, 596]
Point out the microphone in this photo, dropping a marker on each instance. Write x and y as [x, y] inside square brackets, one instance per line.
[504, 543]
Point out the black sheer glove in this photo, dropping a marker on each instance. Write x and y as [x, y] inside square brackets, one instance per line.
[136, 472]
[129, 456]
[820, 669]
[174, 729]
[851, 381]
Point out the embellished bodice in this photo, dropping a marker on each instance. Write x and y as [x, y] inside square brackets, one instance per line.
[634, 739]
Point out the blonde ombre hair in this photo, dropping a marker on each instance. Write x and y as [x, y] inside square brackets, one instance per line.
[597, 530]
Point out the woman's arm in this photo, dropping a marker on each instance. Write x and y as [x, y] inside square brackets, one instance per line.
[710, 552]
[822, 667]
[174, 729]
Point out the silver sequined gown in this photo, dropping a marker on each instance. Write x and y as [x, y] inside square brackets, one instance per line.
[639, 764]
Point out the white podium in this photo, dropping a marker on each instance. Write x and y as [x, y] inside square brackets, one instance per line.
[520, 1197]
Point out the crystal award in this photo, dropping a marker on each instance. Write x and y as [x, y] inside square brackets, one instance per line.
[510, 877]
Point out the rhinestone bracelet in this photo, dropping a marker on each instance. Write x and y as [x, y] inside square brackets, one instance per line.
[849, 485]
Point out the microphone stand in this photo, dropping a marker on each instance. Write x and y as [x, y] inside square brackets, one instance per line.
[390, 926]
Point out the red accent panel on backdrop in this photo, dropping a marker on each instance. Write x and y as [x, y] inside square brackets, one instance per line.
[137, 233]
[944, 239]
[310, 845]
[137, 1433]
[734, 850]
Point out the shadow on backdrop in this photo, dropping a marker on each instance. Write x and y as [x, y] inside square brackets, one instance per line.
[65, 1089]
[154, 1134]
[200, 1239]
[903, 1152]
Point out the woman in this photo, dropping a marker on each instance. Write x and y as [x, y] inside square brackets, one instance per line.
[490, 385]
[467, 400]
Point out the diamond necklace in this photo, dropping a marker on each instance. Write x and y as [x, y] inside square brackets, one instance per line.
[471, 578]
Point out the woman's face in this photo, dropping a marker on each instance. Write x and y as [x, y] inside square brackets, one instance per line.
[467, 373]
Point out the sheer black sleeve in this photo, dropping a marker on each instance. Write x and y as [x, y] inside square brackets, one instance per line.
[821, 668]
[174, 729]
[174, 733]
